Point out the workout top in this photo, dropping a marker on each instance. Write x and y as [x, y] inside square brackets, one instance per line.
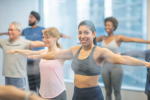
[112, 46]
[86, 66]
[52, 81]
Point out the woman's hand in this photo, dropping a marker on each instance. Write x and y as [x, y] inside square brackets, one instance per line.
[9, 92]
[34, 57]
[147, 64]
[12, 51]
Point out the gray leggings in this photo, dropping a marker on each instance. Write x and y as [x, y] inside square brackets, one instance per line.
[112, 77]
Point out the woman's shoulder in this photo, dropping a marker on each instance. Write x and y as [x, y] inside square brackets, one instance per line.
[76, 47]
[100, 50]
[103, 36]
[119, 36]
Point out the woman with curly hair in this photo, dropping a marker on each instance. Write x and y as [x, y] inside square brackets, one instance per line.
[112, 73]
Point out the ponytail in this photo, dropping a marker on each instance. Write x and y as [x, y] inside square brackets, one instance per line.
[57, 43]
[94, 41]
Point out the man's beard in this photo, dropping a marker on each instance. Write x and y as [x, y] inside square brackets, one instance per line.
[32, 23]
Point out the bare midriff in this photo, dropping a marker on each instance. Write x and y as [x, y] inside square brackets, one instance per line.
[82, 81]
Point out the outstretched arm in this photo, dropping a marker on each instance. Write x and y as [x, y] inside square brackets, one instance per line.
[3, 34]
[136, 53]
[125, 60]
[98, 39]
[131, 39]
[13, 93]
[26, 52]
[63, 54]
[34, 44]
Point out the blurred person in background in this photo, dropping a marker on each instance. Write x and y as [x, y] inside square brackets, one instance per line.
[112, 73]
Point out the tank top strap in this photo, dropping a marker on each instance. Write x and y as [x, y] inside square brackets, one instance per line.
[115, 40]
[79, 51]
[92, 52]
[104, 38]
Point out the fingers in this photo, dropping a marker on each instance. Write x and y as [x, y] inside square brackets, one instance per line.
[9, 51]
[66, 36]
[69, 37]
[147, 64]
[30, 57]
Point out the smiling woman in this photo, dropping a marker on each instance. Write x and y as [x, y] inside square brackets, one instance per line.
[52, 33]
[86, 25]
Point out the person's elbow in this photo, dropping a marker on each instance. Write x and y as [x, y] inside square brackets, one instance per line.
[119, 60]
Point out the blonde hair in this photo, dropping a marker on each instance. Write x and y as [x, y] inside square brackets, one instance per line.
[52, 31]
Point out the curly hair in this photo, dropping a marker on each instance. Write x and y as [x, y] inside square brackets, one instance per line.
[113, 20]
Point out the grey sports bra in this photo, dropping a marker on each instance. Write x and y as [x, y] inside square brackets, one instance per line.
[86, 66]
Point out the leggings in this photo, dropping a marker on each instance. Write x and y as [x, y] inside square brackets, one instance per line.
[148, 95]
[62, 96]
[92, 93]
[112, 77]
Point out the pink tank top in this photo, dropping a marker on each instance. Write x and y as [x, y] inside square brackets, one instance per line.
[52, 81]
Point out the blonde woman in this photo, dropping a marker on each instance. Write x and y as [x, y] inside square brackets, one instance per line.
[52, 85]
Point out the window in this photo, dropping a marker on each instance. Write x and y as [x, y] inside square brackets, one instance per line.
[65, 15]
[132, 17]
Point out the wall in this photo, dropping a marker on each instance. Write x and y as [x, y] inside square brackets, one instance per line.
[148, 21]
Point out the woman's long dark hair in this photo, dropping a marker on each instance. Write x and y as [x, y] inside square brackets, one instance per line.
[91, 26]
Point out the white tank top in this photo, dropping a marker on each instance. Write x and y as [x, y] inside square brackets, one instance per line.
[112, 46]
